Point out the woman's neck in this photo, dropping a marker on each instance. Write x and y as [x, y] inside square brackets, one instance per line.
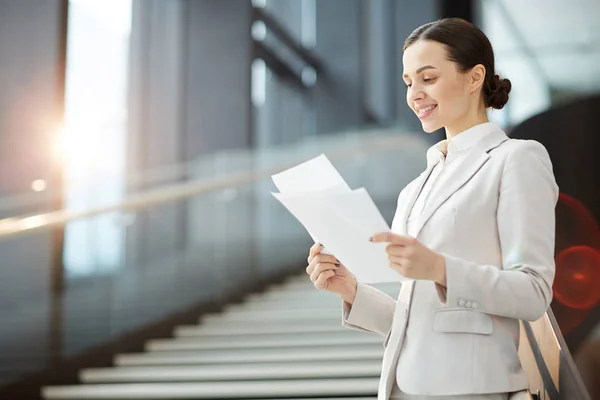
[465, 123]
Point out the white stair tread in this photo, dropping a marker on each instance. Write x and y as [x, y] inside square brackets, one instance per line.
[257, 329]
[217, 390]
[345, 369]
[308, 295]
[241, 309]
[305, 286]
[293, 296]
[273, 315]
[301, 301]
[290, 306]
[275, 337]
[337, 338]
[331, 353]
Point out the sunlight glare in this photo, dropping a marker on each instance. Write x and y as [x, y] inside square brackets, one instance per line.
[83, 150]
[39, 185]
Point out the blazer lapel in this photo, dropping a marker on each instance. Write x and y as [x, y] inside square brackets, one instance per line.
[466, 167]
[412, 198]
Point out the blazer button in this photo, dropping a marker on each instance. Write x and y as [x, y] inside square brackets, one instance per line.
[469, 304]
[474, 305]
[461, 302]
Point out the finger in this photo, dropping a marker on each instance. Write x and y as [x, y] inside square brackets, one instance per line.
[321, 258]
[389, 237]
[326, 258]
[395, 250]
[397, 260]
[320, 268]
[314, 250]
[321, 281]
[311, 266]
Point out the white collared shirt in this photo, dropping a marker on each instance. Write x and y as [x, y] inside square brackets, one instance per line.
[442, 154]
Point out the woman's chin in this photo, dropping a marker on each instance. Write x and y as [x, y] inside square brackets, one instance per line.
[430, 127]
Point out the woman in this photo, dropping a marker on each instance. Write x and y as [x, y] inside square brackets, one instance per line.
[473, 234]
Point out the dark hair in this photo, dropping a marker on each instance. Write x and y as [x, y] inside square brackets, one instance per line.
[467, 46]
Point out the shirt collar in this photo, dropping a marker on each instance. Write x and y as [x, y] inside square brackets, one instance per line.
[460, 143]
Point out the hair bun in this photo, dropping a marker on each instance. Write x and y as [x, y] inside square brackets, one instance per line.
[497, 96]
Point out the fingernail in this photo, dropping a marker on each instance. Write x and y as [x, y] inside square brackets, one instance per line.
[371, 239]
[336, 264]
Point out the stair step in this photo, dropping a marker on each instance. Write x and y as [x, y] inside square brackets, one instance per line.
[264, 341]
[258, 329]
[217, 390]
[224, 372]
[233, 314]
[329, 353]
[288, 305]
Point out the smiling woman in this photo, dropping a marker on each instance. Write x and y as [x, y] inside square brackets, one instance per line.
[473, 235]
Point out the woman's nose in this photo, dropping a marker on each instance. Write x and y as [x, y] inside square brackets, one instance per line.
[415, 94]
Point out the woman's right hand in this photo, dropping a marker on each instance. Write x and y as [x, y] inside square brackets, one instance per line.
[327, 273]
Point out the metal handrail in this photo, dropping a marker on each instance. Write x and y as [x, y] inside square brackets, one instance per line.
[22, 225]
[547, 360]
[569, 365]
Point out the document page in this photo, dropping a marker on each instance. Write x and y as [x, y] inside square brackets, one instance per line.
[340, 218]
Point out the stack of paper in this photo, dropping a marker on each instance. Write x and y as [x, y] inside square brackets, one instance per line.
[341, 219]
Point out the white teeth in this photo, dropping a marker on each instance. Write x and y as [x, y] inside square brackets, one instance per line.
[424, 110]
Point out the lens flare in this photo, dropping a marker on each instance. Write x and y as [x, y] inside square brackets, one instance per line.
[577, 281]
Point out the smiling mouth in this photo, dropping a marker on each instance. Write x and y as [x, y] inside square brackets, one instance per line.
[426, 111]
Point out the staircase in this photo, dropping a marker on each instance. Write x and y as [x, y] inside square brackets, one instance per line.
[286, 343]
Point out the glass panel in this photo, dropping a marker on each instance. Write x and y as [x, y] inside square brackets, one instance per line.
[202, 249]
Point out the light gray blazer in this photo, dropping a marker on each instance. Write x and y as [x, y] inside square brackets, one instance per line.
[493, 220]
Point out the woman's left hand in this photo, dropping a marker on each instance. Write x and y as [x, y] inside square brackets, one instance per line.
[412, 259]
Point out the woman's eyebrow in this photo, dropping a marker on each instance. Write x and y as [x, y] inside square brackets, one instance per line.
[420, 70]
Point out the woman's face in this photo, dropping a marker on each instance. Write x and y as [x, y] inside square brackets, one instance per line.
[437, 91]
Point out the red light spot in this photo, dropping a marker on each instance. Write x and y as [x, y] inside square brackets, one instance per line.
[575, 224]
[578, 276]
[577, 281]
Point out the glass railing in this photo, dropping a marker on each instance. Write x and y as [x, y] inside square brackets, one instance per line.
[171, 243]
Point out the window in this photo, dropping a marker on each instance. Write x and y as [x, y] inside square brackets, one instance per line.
[93, 139]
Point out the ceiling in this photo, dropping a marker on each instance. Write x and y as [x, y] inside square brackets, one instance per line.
[559, 40]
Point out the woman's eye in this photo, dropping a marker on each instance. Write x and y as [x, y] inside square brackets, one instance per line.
[428, 80]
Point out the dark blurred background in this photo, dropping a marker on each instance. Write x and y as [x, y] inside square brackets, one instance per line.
[138, 136]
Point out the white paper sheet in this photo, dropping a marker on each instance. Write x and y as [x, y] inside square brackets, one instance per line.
[340, 218]
[317, 174]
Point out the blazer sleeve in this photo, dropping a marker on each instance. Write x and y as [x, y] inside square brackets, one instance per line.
[522, 288]
[372, 311]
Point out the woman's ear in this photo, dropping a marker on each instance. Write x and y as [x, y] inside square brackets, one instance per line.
[477, 77]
